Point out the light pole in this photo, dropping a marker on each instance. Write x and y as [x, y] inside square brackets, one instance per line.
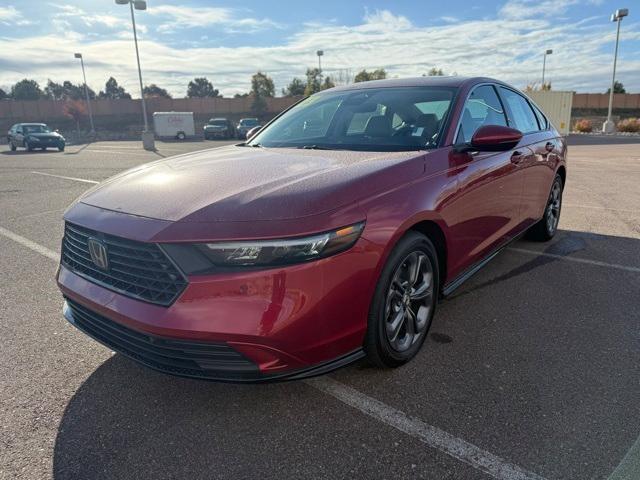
[544, 65]
[147, 136]
[86, 92]
[320, 53]
[608, 126]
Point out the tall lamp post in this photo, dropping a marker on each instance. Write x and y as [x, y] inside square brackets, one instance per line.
[619, 14]
[320, 53]
[86, 92]
[544, 64]
[147, 136]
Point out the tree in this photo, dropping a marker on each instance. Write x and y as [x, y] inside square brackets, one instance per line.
[113, 91]
[618, 87]
[313, 81]
[26, 90]
[328, 83]
[241, 95]
[75, 110]
[294, 89]
[201, 87]
[3, 94]
[262, 85]
[66, 89]
[364, 76]
[435, 72]
[154, 91]
[259, 105]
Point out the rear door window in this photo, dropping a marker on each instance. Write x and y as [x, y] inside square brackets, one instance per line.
[519, 111]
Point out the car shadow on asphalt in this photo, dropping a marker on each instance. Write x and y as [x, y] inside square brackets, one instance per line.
[129, 421]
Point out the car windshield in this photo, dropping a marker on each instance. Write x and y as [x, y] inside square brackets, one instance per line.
[373, 119]
[249, 122]
[220, 123]
[35, 129]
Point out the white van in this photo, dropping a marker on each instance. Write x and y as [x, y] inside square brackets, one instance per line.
[179, 125]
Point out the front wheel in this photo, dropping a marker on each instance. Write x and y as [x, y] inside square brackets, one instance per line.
[13, 146]
[61, 148]
[181, 136]
[404, 302]
[547, 226]
[28, 146]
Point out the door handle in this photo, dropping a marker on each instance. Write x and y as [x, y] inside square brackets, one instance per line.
[516, 157]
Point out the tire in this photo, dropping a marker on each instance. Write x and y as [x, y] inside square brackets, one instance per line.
[28, 146]
[13, 146]
[61, 148]
[398, 320]
[44, 149]
[181, 136]
[545, 229]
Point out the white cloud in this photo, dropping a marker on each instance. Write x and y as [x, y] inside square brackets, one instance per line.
[509, 49]
[9, 15]
[192, 17]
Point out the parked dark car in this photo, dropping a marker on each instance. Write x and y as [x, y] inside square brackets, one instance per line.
[219, 128]
[34, 135]
[328, 236]
[246, 124]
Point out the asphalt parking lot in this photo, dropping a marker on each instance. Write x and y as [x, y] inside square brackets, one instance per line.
[530, 370]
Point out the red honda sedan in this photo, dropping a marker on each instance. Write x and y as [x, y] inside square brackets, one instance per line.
[328, 236]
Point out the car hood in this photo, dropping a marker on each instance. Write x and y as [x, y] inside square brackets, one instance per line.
[246, 184]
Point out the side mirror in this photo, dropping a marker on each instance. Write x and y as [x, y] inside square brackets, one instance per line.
[252, 132]
[495, 138]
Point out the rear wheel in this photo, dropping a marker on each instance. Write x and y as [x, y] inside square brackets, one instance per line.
[61, 148]
[13, 146]
[28, 146]
[404, 302]
[547, 226]
[181, 136]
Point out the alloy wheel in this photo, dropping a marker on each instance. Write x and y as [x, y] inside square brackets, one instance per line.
[409, 301]
[553, 208]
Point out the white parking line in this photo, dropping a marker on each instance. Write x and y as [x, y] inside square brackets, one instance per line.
[84, 180]
[430, 435]
[594, 207]
[36, 247]
[576, 260]
[629, 468]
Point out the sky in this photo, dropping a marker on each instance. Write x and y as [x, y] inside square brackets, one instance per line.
[228, 41]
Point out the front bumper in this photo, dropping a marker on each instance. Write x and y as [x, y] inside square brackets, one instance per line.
[200, 360]
[272, 324]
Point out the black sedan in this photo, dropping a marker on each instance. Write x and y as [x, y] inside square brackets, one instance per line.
[34, 135]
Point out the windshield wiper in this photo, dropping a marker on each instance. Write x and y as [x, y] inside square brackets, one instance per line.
[314, 147]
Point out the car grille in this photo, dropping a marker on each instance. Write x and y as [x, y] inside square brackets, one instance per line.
[178, 357]
[136, 269]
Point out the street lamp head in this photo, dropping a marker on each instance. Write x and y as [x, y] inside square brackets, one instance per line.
[320, 53]
[140, 4]
[549, 52]
[77, 55]
[619, 14]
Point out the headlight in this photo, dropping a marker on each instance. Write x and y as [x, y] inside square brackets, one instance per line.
[223, 256]
[281, 252]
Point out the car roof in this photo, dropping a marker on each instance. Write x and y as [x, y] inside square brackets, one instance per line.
[217, 119]
[433, 81]
[32, 124]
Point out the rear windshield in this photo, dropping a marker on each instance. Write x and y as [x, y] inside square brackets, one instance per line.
[374, 119]
[221, 123]
[249, 122]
